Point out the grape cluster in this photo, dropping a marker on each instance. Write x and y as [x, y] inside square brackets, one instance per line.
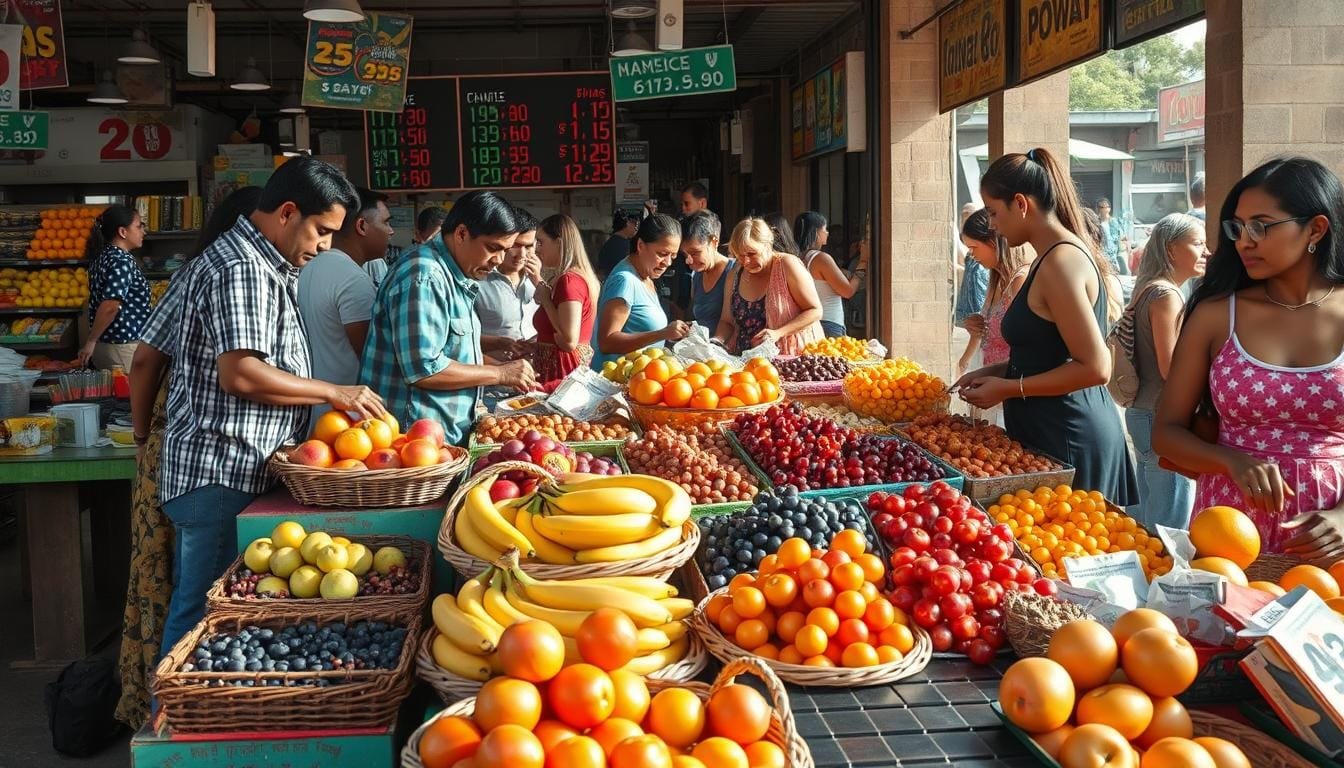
[814, 368]
[397, 581]
[243, 583]
[303, 648]
[699, 460]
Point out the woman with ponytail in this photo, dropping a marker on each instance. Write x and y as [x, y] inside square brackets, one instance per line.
[1053, 384]
[118, 290]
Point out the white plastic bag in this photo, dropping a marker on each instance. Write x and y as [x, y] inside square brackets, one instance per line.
[586, 395]
[698, 347]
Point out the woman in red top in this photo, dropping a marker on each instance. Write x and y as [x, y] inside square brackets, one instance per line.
[567, 297]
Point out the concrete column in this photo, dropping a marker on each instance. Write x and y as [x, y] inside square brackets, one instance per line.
[1274, 86]
[914, 214]
[1029, 116]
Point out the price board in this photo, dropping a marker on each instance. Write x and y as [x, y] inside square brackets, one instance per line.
[21, 129]
[545, 130]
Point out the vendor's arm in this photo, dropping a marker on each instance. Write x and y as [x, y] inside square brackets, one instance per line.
[823, 267]
[727, 323]
[102, 320]
[147, 369]
[611, 340]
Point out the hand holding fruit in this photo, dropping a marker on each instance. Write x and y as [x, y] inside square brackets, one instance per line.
[989, 391]
[85, 352]
[974, 324]
[358, 399]
[766, 334]
[676, 331]
[1260, 482]
[519, 375]
[1319, 537]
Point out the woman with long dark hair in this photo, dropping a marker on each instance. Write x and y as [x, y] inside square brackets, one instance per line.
[1053, 384]
[118, 290]
[629, 314]
[834, 285]
[567, 297]
[1263, 344]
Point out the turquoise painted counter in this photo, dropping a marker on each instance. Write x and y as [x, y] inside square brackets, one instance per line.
[69, 465]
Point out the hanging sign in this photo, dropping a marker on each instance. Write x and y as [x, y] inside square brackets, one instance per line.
[1055, 34]
[43, 45]
[632, 171]
[23, 130]
[827, 110]
[1138, 20]
[358, 65]
[972, 52]
[686, 72]
[1180, 112]
[10, 37]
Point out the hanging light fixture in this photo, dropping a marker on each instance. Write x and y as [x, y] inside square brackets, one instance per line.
[138, 50]
[291, 105]
[631, 43]
[633, 9]
[342, 11]
[250, 78]
[106, 91]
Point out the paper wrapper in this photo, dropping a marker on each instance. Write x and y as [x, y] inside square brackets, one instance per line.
[585, 395]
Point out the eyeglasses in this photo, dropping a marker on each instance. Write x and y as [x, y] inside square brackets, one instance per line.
[1255, 228]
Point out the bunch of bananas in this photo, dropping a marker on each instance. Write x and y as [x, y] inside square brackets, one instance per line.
[470, 624]
[599, 520]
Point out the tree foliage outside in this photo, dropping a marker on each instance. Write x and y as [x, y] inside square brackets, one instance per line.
[1129, 79]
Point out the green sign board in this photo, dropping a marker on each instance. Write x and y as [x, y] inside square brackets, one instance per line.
[22, 129]
[358, 65]
[688, 72]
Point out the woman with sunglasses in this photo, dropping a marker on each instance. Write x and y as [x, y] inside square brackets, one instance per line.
[1263, 347]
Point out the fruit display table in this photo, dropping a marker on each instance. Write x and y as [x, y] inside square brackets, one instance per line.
[68, 583]
[371, 748]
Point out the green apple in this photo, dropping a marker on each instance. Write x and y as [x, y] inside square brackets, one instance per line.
[339, 584]
[360, 559]
[284, 561]
[305, 582]
[386, 558]
[272, 585]
[288, 534]
[257, 556]
[312, 544]
[332, 557]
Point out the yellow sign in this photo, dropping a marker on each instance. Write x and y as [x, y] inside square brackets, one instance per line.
[972, 52]
[1053, 34]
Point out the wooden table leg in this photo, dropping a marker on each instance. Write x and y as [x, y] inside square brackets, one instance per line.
[56, 564]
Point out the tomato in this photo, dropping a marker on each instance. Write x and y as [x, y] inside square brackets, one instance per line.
[917, 539]
[979, 570]
[893, 529]
[903, 556]
[967, 580]
[943, 525]
[1003, 572]
[927, 613]
[904, 597]
[1046, 587]
[993, 635]
[894, 505]
[938, 486]
[946, 557]
[875, 499]
[966, 531]
[913, 492]
[941, 541]
[882, 518]
[904, 576]
[964, 627]
[914, 520]
[980, 652]
[1026, 576]
[945, 580]
[955, 605]
[992, 616]
[924, 567]
[941, 637]
[1003, 532]
[987, 594]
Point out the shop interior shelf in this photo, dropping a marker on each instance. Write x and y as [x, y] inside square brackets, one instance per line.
[41, 311]
[42, 262]
[183, 234]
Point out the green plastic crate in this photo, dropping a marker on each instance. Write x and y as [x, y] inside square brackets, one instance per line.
[726, 508]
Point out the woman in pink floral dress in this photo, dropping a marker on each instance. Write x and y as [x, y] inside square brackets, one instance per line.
[1263, 343]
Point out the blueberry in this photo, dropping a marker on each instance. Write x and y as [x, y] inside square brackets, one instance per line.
[282, 666]
[298, 664]
[716, 581]
[805, 533]
[268, 665]
[252, 666]
[277, 650]
[205, 665]
[719, 564]
[265, 634]
[201, 653]
[234, 665]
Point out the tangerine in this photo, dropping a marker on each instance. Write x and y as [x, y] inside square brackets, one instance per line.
[748, 392]
[765, 754]
[780, 589]
[738, 712]
[769, 390]
[1225, 532]
[607, 639]
[1051, 742]
[632, 695]
[647, 392]
[1225, 754]
[718, 752]
[531, 650]
[1170, 718]
[677, 716]
[657, 370]
[582, 695]
[511, 745]
[1037, 694]
[1138, 619]
[705, 399]
[329, 425]
[859, 655]
[1221, 566]
[731, 402]
[353, 443]
[677, 393]
[1123, 707]
[447, 740]
[1095, 744]
[1087, 650]
[1174, 752]
[720, 383]
[1311, 577]
[505, 701]
[640, 752]
[578, 752]
[1161, 663]
[613, 731]
[552, 732]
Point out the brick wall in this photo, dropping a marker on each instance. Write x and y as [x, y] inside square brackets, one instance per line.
[1030, 116]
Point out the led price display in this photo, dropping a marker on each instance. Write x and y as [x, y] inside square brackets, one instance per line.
[405, 152]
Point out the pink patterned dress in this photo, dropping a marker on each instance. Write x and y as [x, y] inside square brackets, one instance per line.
[995, 349]
[1292, 416]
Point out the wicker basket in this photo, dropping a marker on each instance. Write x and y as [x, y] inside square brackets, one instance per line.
[782, 731]
[649, 415]
[1270, 567]
[400, 608]
[1267, 752]
[404, 487]
[727, 652]
[1028, 631]
[467, 565]
[352, 699]
[452, 688]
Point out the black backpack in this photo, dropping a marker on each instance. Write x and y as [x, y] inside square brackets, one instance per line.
[82, 705]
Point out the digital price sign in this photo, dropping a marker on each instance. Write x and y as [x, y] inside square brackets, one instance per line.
[496, 132]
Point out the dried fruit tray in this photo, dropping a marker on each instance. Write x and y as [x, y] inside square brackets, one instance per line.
[599, 449]
[474, 442]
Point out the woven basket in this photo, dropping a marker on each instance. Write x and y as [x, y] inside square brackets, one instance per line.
[1028, 631]
[452, 688]
[1270, 567]
[404, 487]
[1267, 752]
[649, 415]
[727, 652]
[661, 565]
[352, 699]
[782, 731]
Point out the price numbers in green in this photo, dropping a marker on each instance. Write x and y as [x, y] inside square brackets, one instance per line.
[23, 129]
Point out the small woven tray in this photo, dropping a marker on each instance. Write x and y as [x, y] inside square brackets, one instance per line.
[727, 652]
[401, 608]
[1263, 749]
[1028, 632]
[404, 487]
[468, 565]
[1270, 567]
[783, 733]
[353, 699]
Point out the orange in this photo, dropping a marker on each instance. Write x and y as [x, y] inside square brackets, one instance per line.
[640, 752]
[677, 393]
[879, 614]
[581, 696]
[873, 569]
[613, 731]
[1268, 586]
[353, 443]
[696, 380]
[1160, 662]
[552, 732]
[1173, 752]
[1123, 707]
[1169, 719]
[578, 752]
[686, 761]
[329, 425]
[511, 745]
[819, 592]
[632, 695]
[813, 569]
[729, 620]
[504, 700]
[751, 634]
[677, 716]
[658, 371]
[859, 655]
[1225, 754]
[714, 608]
[1221, 566]
[743, 377]
[1037, 694]
[379, 432]
[780, 589]
[646, 392]
[1087, 650]
[720, 383]
[607, 638]
[900, 637]
[850, 604]
[811, 640]
[852, 631]
[1137, 619]
[793, 553]
[749, 602]
[788, 625]
[699, 369]
[731, 402]
[847, 576]
[765, 754]
[718, 752]
[1051, 742]
[447, 740]
[1225, 532]
[747, 392]
[790, 654]
[1336, 604]
[705, 399]
[1337, 571]
[1097, 746]
[531, 650]
[1311, 577]
[769, 391]
[738, 712]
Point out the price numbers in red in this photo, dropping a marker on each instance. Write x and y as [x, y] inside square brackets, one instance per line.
[585, 147]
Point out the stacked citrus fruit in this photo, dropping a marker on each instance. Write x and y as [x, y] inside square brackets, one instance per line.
[819, 608]
[65, 287]
[622, 368]
[1108, 697]
[847, 347]
[1227, 542]
[339, 442]
[541, 713]
[894, 390]
[705, 385]
[64, 233]
[1054, 523]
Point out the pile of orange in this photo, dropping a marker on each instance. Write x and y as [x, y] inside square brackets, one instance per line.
[581, 716]
[1054, 523]
[700, 386]
[894, 390]
[1108, 697]
[820, 608]
[848, 347]
[339, 442]
[63, 233]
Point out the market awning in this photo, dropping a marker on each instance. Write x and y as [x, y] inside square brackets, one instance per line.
[1078, 150]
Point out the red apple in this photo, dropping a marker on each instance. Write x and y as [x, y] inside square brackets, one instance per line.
[384, 458]
[426, 429]
[504, 489]
[313, 453]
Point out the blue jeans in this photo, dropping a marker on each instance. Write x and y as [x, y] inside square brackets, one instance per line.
[832, 329]
[1165, 498]
[205, 544]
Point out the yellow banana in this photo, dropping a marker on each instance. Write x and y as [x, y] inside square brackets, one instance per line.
[651, 639]
[470, 539]
[508, 509]
[647, 586]
[674, 504]
[637, 550]
[470, 596]
[581, 596]
[592, 531]
[679, 607]
[466, 631]
[498, 606]
[575, 478]
[458, 661]
[602, 501]
[547, 551]
[491, 524]
[675, 630]
[564, 620]
[652, 662]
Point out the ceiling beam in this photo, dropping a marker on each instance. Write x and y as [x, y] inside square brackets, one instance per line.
[741, 25]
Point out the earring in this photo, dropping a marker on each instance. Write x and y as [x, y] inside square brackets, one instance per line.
[1311, 247]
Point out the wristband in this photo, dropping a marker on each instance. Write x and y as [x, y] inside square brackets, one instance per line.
[1020, 390]
[140, 439]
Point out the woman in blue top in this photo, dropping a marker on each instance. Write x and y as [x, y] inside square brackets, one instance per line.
[629, 315]
[700, 244]
[118, 290]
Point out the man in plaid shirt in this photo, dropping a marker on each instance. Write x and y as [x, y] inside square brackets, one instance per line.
[238, 384]
[423, 352]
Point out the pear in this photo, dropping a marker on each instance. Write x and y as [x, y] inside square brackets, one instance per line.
[332, 557]
[360, 559]
[272, 585]
[339, 584]
[387, 558]
[306, 582]
[288, 534]
[312, 544]
[285, 561]
[257, 556]
[340, 541]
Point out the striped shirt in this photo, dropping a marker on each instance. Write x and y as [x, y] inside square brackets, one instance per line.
[424, 320]
[240, 294]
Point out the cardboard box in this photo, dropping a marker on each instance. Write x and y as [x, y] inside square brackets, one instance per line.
[366, 748]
